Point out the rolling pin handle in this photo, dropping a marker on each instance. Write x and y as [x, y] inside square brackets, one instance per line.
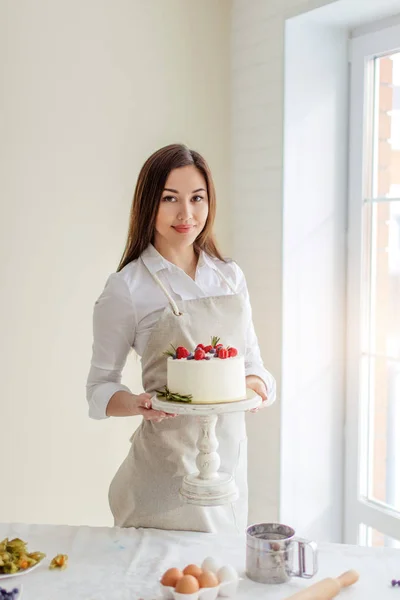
[348, 578]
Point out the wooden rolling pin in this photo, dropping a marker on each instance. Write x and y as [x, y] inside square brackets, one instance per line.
[326, 588]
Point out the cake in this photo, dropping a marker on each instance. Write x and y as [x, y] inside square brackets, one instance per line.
[210, 374]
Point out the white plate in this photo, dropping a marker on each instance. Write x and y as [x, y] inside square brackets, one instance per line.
[20, 573]
[19, 587]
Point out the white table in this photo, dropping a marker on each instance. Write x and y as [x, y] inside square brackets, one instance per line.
[124, 564]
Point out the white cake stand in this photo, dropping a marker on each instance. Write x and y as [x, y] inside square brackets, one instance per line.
[209, 486]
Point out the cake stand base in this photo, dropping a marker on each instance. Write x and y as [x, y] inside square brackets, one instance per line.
[209, 486]
[206, 492]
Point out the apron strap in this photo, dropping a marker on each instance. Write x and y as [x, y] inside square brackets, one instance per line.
[172, 302]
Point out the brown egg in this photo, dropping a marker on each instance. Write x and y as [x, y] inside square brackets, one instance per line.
[192, 570]
[187, 585]
[207, 580]
[171, 577]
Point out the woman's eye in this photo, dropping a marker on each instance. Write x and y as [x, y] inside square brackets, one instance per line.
[169, 199]
[198, 198]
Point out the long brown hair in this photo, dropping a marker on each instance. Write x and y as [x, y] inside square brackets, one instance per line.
[147, 196]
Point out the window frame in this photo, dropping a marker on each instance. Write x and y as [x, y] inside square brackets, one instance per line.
[359, 512]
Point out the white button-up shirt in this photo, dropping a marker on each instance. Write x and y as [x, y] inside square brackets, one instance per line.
[131, 304]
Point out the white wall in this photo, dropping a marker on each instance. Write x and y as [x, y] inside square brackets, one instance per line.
[314, 269]
[89, 90]
[257, 126]
[289, 122]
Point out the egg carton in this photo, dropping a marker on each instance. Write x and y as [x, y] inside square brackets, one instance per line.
[226, 589]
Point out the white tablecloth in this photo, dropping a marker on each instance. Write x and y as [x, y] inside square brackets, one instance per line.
[125, 564]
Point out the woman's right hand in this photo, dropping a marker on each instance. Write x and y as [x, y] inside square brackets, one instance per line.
[125, 404]
[142, 403]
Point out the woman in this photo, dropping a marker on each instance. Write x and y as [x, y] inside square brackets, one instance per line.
[172, 287]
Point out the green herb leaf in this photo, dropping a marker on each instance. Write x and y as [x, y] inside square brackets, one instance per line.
[170, 352]
[173, 397]
[214, 341]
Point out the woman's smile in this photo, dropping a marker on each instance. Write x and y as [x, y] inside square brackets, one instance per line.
[183, 228]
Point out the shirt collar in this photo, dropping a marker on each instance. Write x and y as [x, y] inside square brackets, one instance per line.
[205, 260]
[155, 262]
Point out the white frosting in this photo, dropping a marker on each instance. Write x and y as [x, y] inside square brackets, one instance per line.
[208, 381]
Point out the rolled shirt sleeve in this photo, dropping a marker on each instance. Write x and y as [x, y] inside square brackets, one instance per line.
[255, 366]
[114, 325]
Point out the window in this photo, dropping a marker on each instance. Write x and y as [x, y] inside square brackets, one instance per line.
[369, 536]
[373, 391]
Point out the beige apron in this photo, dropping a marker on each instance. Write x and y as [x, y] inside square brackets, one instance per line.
[145, 490]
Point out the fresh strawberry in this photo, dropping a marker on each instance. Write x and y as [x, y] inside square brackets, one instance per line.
[200, 346]
[181, 352]
[208, 349]
[199, 354]
[218, 346]
[232, 352]
[222, 353]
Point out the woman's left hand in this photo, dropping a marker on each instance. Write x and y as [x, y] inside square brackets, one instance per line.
[256, 384]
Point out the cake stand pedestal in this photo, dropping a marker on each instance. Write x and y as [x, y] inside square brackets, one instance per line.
[209, 486]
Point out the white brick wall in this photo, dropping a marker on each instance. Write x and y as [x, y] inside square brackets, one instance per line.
[257, 140]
